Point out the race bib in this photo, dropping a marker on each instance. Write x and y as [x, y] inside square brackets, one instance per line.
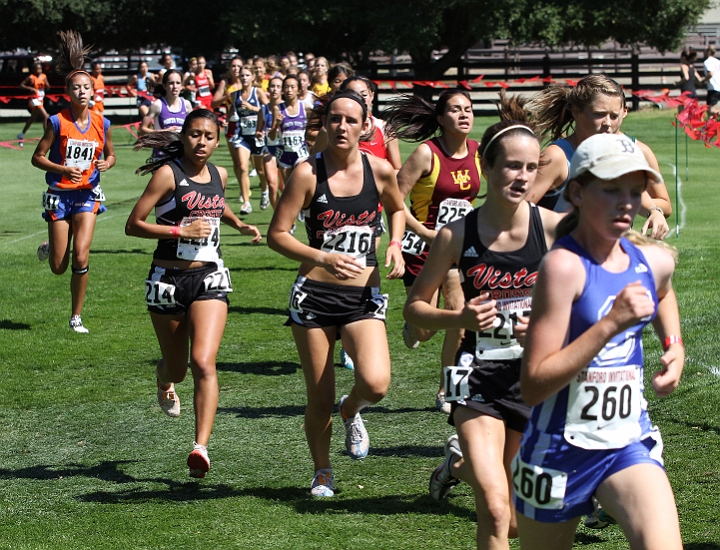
[200, 250]
[159, 294]
[248, 124]
[203, 91]
[259, 142]
[51, 202]
[218, 281]
[80, 153]
[451, 210]
[412, 244]
[499, 342]
[293, 141]
[603, 408]
[352, 240]
[542, 488]
[455, 382]
[381, 305]
[36, 102]
[296, 297]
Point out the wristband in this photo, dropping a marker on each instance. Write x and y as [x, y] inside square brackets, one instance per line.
[396, 243]
[175, 232]
[672, 339]
[650, 211]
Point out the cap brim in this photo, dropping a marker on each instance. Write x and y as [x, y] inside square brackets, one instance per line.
[610, 169]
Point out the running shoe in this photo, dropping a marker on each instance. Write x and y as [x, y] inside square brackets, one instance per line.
[292, 229]
[246, 208]
[345, 360]
[76, 325]
[21, 136]
[323, 484]
[442, 479]
[253, 174]
[43, 251]
[198, 461]
[441, 404]
[357, 441]
[168, 400]
[599, 519]
[264, 200]
[408, 337]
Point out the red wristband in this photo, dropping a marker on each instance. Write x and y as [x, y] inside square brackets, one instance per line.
[670, 340]
[396, 243]
[175, 231]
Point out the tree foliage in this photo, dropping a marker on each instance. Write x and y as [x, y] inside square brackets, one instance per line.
[337, 28]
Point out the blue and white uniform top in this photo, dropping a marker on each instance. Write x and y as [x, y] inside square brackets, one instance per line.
[267, 115]
[248, 119]
[553, 199]
[603, 407]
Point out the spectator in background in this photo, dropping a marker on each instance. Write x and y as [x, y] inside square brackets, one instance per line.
[712, 77]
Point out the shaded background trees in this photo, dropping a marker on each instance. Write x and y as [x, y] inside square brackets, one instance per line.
[341, 29]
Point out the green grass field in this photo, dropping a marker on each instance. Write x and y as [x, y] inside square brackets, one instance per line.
[89, 461]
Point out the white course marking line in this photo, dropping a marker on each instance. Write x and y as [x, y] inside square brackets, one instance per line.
[683, 208]
[45, 232]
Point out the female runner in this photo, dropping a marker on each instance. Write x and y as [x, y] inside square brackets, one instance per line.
[97, 103]
[138, 85]
[320, 85]
[378, 144]
[272, 145]
[305, 95]
[167, 114]
[248, 102]
[186, 290]
[582, 369]
[205, 84]
[36, 84]
[76, 139]
[337, 75]
[261, 79]
[595, 106]
[289, 122]
[497, 249]
[225, 95]
[337, 290]
[442, 178]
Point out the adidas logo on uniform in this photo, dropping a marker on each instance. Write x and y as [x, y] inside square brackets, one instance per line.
[183, 183]
[322, 199]
[470, 253]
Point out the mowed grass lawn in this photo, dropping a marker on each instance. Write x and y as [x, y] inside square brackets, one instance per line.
[88, 459]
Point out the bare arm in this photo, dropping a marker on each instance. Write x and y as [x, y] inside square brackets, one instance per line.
[393, 204]
[40, 160]
[478, 314]
[418, 165]
[220, 97]
[108, 160]
[146, 126]
[550, 175]
[229, 218]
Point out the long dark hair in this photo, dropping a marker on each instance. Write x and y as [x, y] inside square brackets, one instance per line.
[411, 118]
[168, 144]
[159, 89]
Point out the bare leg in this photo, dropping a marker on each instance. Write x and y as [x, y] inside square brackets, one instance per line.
[641, 500]
[271, 175]
[83, 230]
[257, 161]
[315, 347]
[453, 299]
[244, 173]
[536, 535]
[60, 238]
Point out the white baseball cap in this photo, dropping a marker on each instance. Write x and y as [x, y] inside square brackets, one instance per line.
[609, 156]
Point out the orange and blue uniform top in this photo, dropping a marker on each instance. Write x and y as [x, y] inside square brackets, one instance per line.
[41, 85]
[98, 93]
[75, 147]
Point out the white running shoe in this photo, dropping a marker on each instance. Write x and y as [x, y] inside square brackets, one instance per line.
[345, 360]
[357, 441]
[599, 518]
[264, 200]
[246, 208]
[441, 404]
[43, 251]
[408, 338]
[198, 461]
[253, 174]
[168, 400]
[77, 325]
[442, 480]
[323, 484]
[21, 136]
